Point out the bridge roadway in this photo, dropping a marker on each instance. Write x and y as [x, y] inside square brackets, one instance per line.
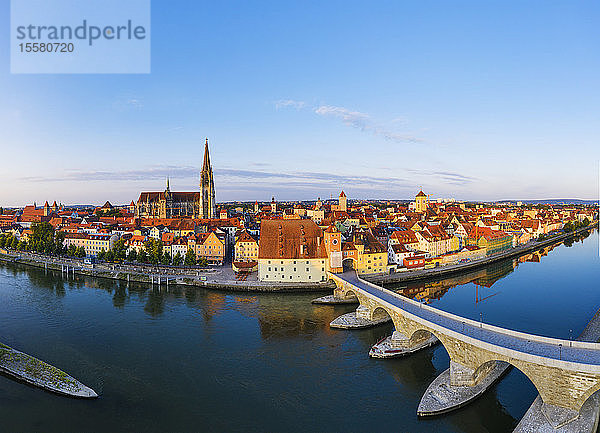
[560, 350]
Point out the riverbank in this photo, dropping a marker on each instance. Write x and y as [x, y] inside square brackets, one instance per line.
[443, 271]
[28, 369]
[222, 278]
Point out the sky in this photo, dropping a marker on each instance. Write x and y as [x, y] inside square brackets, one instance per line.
[469, 100]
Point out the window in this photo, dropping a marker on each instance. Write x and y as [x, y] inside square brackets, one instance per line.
[306, 269]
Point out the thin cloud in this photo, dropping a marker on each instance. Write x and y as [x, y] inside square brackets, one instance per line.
[228, 176]
[446, 176]
[353, 119]
[284, 103]
[363, 121]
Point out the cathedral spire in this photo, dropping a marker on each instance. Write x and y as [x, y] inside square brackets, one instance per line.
[207, 187]
[206, 165]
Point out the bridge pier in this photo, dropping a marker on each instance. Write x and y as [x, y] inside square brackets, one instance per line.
[458, 386]
[398, 344]
[361, 318]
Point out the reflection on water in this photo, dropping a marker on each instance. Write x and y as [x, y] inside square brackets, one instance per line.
[188, 359]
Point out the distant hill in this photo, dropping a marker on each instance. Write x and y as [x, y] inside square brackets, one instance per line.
[552, 201]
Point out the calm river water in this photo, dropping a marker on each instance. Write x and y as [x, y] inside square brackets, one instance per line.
[199, 360]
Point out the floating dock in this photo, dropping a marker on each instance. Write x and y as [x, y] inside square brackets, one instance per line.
[351, 321]
[385, 348]
[332, 300]
[441, 397]
[31, 370]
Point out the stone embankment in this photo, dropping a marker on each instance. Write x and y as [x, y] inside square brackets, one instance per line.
[31, 370]
[211, 278]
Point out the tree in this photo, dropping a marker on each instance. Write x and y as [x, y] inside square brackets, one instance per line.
[178, 259]
[142, 256]
[80, 252]
[132, 256]
[154, 249]
[165, 259]
[568, 227]
[109, 256]
[190, 257]
[119, 250]
[72, 251]
[203, 262]
[585, 222]
[45, 240]
[102, 254]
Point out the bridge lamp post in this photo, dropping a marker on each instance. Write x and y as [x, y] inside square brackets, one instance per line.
[560, 352]
[481, 320]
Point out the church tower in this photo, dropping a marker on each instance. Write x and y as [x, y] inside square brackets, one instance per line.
[208, 208]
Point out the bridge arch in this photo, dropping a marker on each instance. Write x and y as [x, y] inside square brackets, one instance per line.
[486, 366]
[380, 312]
[588, 393]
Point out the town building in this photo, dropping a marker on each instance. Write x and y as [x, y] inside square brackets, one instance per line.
[291, 251]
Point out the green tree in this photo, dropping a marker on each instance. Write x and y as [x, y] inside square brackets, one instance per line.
[81, 252]
[165, 259]
[203, 262]
[72, 251]
[2, 240]
[143, 256]
[45, 240]
[190, 257]
[178, 259]
[585, 222]
[154, 249]
[132, 256]
[109, 256]
[119, 250]
[102, 254]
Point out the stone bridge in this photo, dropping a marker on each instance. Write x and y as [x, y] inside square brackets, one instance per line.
[566, 373]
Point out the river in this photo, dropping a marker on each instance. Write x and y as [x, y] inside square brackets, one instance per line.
[198, 360]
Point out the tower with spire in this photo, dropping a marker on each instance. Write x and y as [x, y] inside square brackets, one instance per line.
[208, 208]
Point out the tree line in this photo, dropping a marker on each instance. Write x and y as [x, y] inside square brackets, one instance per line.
[46, 240]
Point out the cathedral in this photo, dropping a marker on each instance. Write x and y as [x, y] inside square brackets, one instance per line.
[169, 204]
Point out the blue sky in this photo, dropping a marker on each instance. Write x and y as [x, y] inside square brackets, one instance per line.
[467, 99]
